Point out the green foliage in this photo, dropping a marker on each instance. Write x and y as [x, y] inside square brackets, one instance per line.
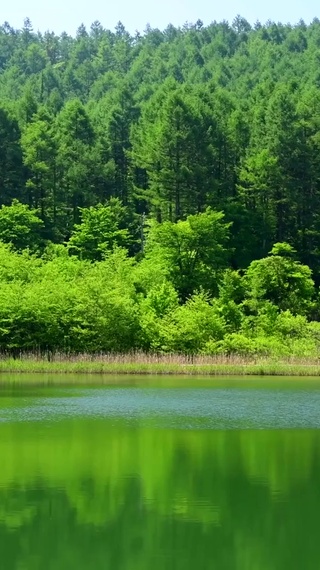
[241, 345]
[194, 324]
[281, 280]
[170, 123]
[62, 303]
[194, 250]
[160, 300]
[69, 305]
[11, 168]
[20, 226]
[211, 134]
[177, 148]
[155, 311]
[101, 230]
[39, 157]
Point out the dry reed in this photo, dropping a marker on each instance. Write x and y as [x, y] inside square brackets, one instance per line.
[140, 363]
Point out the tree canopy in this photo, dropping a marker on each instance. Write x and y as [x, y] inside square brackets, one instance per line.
[162, 178]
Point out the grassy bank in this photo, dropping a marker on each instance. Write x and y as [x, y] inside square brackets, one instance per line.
[164, 364]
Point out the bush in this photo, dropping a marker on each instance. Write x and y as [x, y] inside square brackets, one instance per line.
[192, 325]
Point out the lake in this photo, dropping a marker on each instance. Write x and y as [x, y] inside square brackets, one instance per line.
[160, 474]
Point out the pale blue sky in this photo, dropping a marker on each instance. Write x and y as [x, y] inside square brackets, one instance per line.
[60, 15]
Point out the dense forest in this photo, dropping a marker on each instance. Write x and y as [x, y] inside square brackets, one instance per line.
[161, 192]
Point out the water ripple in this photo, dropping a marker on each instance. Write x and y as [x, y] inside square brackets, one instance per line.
[185, 408]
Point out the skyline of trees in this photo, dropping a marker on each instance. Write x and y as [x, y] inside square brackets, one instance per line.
[170, 122]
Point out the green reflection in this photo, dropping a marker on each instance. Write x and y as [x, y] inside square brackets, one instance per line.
[98, 494]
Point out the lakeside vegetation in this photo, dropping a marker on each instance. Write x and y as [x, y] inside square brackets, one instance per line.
[59, 303]
[160, 194]
[27, 367]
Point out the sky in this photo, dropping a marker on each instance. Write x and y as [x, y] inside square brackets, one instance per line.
[67, 15]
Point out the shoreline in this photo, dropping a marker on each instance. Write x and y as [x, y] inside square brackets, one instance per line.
[170, 365]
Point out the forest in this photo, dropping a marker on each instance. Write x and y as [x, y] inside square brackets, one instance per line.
[160, 192]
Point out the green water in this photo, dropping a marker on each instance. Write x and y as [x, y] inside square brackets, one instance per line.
[161, 475]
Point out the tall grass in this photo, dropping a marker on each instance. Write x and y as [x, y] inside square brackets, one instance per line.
[140, 363]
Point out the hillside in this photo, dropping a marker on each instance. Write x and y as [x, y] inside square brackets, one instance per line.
[194, 149]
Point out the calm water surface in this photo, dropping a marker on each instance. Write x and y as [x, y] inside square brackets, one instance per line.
[160, 474]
